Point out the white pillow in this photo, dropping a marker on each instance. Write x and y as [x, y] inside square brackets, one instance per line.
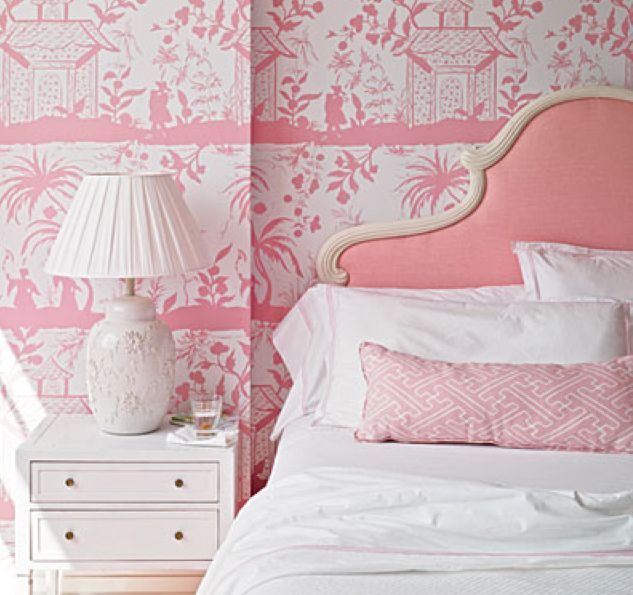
[520, 332]
[552, 271]
[304, 336]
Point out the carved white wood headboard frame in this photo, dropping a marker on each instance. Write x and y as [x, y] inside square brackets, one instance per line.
[476, 160]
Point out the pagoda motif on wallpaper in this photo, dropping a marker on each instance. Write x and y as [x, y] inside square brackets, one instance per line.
[52, 378]
[266, 49]
[452, 68]
[50, 65]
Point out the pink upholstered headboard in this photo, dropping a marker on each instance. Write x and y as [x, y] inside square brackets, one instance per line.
[561, 170]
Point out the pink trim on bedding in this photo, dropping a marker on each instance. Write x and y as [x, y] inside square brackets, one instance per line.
[535, 285]
[304, 391]
[405, 552]
[306, 316]
[304, 381]
[329, 296]
[569, 249]
[568, 178]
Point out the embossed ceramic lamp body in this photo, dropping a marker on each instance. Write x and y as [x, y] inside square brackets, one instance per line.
[128, 226]
[131, 359]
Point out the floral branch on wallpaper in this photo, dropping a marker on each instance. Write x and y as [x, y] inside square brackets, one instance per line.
[206, 22]
[603, 24]
[110, 11]
[185, 163]
[296, 100]
[119, 98]
[213, 360]
[290, 14]
[509, 14]
[350, 168]
[213, 287]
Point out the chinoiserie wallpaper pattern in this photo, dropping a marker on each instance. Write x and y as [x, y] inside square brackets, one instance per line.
[283, 121]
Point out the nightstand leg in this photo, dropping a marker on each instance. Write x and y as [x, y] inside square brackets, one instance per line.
[23, 584]
[51, 582]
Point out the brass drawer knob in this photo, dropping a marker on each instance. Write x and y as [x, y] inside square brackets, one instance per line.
[179, 483]
[178, 535]
[70, 482]
[69, 536]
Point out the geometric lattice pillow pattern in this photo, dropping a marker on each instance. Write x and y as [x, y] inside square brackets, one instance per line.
[585, 406]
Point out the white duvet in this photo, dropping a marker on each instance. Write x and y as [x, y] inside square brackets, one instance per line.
[350, 521]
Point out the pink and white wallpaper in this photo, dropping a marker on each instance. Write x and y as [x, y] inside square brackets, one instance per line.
[121, 85]
[283, 121]
[364, 111]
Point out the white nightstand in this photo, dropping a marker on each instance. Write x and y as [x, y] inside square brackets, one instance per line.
[89, 501]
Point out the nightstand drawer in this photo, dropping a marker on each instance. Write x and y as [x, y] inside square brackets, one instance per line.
[123, 535]
[124, 482]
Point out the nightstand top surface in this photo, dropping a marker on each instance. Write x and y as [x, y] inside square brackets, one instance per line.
[77, 437]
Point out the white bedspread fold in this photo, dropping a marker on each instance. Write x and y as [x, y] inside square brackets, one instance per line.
[334, 520]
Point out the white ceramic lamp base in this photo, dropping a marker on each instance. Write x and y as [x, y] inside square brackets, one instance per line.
[131, 360]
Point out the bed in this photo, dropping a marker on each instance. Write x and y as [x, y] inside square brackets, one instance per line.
[343, 516]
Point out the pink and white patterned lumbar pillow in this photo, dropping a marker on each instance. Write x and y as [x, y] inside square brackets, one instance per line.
[551, 406]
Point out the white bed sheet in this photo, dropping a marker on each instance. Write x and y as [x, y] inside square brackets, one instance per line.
[303, 446]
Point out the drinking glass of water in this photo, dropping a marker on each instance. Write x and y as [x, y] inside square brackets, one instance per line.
[206, 410]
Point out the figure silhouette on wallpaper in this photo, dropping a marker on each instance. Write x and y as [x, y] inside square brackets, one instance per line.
[334, 116]
[70, 289]
[159, 114]
[24, 288]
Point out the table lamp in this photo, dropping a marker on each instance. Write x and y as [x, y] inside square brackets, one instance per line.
[128, 226]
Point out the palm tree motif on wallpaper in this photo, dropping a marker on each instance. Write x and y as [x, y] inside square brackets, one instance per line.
[32, 180]
[436, 181]
[272, 244]
[251, 182]
[41, 235]
[36, 183]
[40, 187]
[45, 185]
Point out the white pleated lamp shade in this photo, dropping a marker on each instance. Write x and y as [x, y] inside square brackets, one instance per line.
[126, 226]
